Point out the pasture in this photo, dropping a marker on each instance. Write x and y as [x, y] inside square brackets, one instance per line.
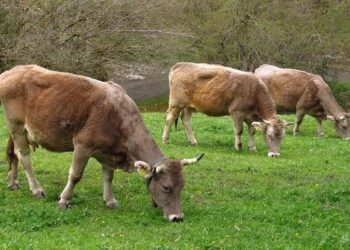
[231, 200]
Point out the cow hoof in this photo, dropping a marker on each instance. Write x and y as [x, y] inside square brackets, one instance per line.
[112, 204]
[39, 193]
[63, 204]
[13, 187]
[238, 146]
[295, 133]
[194, 144]
[165, 142]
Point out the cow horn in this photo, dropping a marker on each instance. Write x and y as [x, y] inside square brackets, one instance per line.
[185, 162]
[330, 117]
[160, 168]
[267, 122]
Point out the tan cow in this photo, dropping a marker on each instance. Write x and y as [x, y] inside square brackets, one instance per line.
[305, 93]
[66, 112]
[216, 90]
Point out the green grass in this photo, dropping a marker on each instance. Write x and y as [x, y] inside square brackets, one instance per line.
[158, 104]
[231, 200]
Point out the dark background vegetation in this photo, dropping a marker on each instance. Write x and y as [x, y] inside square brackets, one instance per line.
[102, 38]
[94, 36]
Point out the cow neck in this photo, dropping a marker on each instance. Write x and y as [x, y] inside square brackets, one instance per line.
[329, 103]
[265, 106]
[160, 159]
[142, 146]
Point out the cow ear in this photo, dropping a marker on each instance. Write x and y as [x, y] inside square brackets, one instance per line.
[347, 114]
[330, 117]
[258, 124]
[143, 168]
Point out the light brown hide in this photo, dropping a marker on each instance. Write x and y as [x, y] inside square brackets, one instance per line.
[305, 93]
[216, 90]
[67, 112]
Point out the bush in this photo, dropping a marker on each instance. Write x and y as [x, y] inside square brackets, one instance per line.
[341, 92]
[86, 37]
[96, 37]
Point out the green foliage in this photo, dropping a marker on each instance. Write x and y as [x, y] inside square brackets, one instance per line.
[246, 34]
[231, 200]
[341, 92]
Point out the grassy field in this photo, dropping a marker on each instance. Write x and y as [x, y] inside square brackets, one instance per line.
[231, 200]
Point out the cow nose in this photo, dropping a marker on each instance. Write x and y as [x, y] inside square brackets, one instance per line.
[272, 154]
[175, 217]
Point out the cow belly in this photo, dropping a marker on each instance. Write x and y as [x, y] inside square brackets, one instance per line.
[285, 106]
[286, 102]
[52, 142]
[209, 107]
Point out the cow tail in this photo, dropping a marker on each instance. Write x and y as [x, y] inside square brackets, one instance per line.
[177, 118]
[12, 158]
[176, 121]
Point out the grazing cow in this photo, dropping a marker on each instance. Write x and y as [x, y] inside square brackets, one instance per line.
[216, 90]
[67, 112]
[305, 93]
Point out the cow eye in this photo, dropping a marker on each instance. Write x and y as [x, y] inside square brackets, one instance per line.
[165, 188]
[270, 136]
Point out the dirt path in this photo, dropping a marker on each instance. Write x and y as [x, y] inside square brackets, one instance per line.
[153, 85]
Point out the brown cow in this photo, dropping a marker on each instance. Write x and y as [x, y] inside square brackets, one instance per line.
[66, 112]
[305, 93]
[216, 90]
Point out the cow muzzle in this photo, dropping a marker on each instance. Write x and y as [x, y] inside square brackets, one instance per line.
[273, 154]
[347, 138]
[175, 217]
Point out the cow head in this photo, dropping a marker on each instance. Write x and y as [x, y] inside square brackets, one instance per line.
[165, 182]
[274, 131]
[341, 124]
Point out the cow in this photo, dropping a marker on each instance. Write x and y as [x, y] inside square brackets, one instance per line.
[217, 90]
[66, 112]
[305, 93]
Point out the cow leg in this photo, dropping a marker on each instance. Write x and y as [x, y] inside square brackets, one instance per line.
[81, 156]
[12, 176]
[186, 120]
[171, 114]
[22, 151]
[238, 127]
[108, 195]
[299, 116]
[251, 133]
[12, 173]
[319, 127]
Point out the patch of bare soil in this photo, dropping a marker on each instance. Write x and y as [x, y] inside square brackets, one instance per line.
[148, 84]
